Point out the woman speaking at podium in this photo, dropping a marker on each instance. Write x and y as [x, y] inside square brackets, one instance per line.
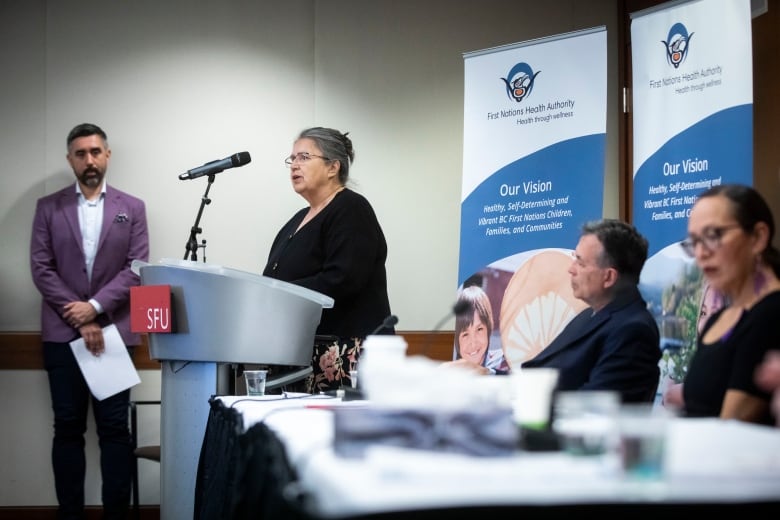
[334, 246]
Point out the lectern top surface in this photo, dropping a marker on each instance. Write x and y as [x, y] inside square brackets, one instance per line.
[322, 299]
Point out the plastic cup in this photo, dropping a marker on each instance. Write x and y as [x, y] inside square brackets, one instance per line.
[382, 357]
[642, 441]
[533, 390]
[585, 421]
[255, 381]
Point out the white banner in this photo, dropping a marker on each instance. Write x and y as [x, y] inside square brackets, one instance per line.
[693, 128]
[692, 109]
[533, 173]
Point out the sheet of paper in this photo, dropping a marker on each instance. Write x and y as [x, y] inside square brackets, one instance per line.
[112, 371]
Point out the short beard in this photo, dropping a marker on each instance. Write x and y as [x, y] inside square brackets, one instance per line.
[91, 181]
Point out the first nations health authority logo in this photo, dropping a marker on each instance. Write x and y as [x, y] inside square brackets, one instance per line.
[520, 81]
[677, 44]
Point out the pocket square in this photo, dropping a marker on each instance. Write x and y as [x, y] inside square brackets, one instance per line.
[121, 217]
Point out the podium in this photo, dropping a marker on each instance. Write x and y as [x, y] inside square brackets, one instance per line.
[218, 315]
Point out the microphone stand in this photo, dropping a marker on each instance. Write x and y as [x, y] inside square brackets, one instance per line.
[192, 242]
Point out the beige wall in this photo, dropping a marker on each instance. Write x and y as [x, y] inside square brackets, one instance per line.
[179, 83]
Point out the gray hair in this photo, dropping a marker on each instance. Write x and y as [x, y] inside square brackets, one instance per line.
[336, 146]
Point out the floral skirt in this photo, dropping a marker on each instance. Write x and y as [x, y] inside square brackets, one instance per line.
[331, 361]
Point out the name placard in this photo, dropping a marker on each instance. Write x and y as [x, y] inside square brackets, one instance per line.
[150, 308]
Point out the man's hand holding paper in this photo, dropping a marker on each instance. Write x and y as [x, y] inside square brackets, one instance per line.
[103, 359]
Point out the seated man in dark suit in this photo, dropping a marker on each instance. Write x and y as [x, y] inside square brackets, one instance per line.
[613, 344]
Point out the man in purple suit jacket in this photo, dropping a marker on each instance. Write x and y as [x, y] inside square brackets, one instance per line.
[613, 344]
[84, 239]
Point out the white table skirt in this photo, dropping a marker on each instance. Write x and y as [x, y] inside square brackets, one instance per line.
[709, 461]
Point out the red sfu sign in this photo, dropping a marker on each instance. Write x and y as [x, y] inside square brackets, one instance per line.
[150, 308]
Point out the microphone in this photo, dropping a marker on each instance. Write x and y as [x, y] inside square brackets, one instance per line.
[210, 168]
[459, 308]
[390, 321]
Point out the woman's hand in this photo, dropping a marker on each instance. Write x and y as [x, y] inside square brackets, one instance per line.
[768, 372]
[672, 397]
[768, 378]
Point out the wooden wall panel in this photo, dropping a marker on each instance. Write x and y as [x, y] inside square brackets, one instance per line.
[22, 350]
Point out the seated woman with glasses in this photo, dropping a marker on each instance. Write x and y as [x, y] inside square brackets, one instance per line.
[730, 231]
[334, 246]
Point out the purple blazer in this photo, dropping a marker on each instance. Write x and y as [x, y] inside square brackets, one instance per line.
[58, 264]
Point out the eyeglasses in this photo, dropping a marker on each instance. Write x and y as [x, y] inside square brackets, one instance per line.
[303, 157]
[710, 238]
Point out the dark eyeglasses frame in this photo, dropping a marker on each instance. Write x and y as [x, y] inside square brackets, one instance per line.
[303, 157]
[711, 239]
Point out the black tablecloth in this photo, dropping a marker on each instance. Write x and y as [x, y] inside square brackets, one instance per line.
[243, 475]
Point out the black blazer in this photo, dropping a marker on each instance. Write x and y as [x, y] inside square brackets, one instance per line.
[617, 349]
